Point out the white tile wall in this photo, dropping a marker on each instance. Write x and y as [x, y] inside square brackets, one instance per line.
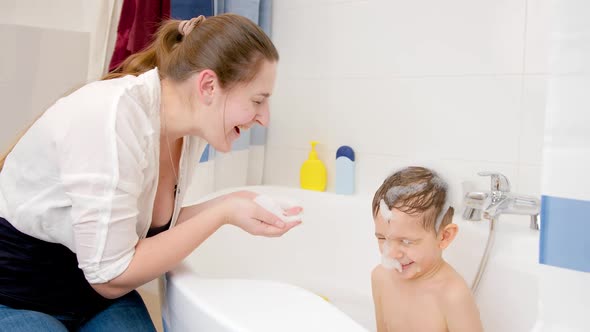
[457, 85]
[565, 293]
[537, 36]
[403, 115]
[449, 37]
[567, 136]
[564, 300]
[570, 31]
[397, 37]
[533, 119]
[528, 180]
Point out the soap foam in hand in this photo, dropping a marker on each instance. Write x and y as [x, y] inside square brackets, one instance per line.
[278, 206]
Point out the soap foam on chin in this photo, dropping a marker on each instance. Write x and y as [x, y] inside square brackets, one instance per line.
[391, 263]
[278, 206]
[388, 262]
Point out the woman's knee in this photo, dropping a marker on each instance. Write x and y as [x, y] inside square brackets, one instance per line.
[126, 314]
[15, 320]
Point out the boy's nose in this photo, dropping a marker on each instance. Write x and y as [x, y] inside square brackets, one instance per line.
[393, 250]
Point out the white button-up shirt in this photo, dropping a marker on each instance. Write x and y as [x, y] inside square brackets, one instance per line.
[85, 174]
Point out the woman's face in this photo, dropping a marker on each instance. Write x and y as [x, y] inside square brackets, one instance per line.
[242, 106]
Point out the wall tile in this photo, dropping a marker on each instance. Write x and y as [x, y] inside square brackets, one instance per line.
[537, 36]
[533, 119]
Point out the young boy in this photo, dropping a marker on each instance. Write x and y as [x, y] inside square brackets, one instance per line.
[414, 289]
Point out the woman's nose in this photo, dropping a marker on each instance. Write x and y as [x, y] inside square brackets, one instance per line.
[263, 117]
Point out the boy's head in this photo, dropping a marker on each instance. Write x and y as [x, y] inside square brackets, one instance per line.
[413, 221]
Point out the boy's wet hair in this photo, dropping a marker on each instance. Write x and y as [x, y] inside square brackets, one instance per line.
[416, 190]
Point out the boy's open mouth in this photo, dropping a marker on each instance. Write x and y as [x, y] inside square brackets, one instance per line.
[407, 266]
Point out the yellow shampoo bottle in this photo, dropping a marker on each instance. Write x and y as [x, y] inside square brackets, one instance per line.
[313, 172]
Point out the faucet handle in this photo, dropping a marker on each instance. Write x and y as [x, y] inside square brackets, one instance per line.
[499, 181]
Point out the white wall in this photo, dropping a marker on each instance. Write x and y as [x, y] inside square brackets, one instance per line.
[98, 18]
[37, 66]
[565, 291]
[457, 85]
[49, 48]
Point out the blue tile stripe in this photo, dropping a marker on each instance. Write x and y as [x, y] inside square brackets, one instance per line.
[243, 142]
[565, 233]
[258, 135]
[187, 9]
[205, 155]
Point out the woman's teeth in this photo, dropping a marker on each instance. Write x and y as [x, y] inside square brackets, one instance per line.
[240, 128]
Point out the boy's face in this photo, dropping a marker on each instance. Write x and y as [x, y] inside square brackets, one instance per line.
[404, 238]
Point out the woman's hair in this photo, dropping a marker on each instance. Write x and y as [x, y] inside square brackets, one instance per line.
[231, 45]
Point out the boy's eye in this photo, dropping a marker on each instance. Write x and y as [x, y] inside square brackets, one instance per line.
[407, 242]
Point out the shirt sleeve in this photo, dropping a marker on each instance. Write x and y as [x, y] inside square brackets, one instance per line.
[102, 159]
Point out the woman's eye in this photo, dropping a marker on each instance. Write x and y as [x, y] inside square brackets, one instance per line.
[258, 102]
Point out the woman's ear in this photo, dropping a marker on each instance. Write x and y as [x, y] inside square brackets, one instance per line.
[447, 235]
[206, 85]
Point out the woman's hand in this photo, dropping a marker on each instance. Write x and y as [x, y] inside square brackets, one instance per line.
[243, 212]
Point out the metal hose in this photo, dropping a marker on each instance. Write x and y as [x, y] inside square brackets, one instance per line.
[484, 260]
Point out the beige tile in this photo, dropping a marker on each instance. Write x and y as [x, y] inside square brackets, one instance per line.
[152, 302]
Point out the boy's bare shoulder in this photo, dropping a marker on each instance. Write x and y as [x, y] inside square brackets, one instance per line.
[379, 275]
[456, 289]
[459, 307]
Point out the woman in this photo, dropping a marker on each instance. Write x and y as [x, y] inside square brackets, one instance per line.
[90, 196]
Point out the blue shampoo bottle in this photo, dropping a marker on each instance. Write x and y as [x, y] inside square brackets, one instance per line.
[345, 170]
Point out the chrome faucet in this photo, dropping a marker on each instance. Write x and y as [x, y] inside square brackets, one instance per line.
[500, 201]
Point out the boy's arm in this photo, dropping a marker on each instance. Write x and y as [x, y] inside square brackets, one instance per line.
[462, 314]
[375, 286]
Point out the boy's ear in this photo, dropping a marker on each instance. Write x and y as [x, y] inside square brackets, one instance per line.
[447, 235]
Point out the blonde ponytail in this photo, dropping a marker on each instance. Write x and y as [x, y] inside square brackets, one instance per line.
[230, 45]
[166, 38]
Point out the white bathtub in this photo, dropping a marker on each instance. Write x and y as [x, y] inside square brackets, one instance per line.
[238, 282]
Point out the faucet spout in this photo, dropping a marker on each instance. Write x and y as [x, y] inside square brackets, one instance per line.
[508, 203]
[474, 203]
[500, 201]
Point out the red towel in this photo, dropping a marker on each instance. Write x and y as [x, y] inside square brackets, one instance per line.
[138, 22]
